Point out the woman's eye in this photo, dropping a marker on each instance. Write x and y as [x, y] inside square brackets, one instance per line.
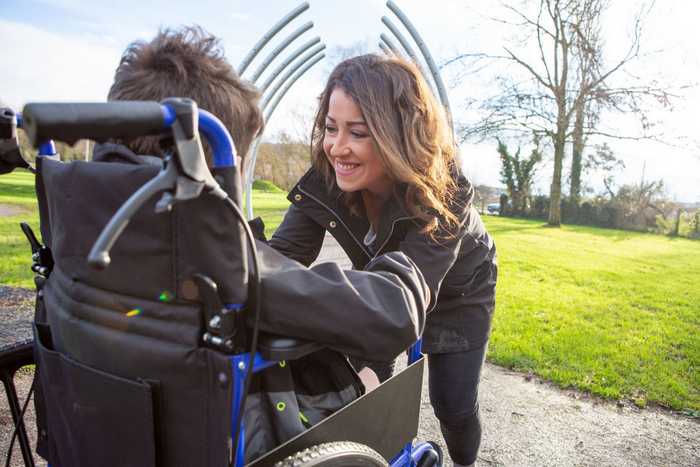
[358, 135]
[330, 129]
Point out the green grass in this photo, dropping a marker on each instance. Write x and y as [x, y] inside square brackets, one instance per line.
[611, 312]
[18, 188]
[267, 186]
[271, 206]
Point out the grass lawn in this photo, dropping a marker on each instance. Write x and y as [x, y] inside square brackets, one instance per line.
[611, 312]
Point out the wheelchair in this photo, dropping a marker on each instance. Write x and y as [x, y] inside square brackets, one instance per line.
[142, 349]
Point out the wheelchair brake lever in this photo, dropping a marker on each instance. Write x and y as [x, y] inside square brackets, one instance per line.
[42, 259]
[184, 176]
[220, 322]
[165, 180]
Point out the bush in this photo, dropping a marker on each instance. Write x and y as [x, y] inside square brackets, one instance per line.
[619, 213]
[267, 186]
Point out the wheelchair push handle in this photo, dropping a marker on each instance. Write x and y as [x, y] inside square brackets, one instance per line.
[185, 174]
[70, 122]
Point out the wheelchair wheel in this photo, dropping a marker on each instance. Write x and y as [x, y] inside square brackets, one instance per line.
[338, 454]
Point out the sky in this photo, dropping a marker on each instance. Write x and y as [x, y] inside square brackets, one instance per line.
[67, 50]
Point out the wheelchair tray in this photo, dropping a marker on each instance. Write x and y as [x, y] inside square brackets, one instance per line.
[384, 419]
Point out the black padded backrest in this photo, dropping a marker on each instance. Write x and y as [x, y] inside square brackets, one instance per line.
[157, 253]
[131, 330]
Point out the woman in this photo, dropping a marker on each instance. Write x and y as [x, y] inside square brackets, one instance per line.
[385, 177]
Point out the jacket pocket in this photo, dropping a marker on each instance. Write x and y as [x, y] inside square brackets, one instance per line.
[94, 418]
[467, 276]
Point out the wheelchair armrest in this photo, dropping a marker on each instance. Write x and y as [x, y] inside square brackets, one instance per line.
[275, 347]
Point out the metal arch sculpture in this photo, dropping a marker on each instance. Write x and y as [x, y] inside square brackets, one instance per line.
[285, 74]
[310, 53]
[442, 93]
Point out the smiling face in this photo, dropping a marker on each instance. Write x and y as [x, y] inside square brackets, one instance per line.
[350, 148]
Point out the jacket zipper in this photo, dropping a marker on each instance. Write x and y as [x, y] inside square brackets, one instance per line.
[341, 221]
[391, 232]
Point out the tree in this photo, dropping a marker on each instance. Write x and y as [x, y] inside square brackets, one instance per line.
[566, 80]
[517, 174]
[645, 205]
[301, 123]
[603, 160]
[283, 161]
[339, 53]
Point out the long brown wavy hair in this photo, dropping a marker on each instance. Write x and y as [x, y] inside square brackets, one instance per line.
[410, 132]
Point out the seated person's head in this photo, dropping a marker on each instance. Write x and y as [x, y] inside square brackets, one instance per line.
[188, 62]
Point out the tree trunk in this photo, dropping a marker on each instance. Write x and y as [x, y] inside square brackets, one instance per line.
[677, 227]
[576, 156]
[555, 190]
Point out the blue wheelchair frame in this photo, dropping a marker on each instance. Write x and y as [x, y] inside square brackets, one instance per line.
[224, 156]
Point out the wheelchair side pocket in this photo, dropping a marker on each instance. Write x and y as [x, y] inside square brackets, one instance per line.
[94, 418]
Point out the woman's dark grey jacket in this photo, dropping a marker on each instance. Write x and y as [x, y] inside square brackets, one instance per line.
[460, 271]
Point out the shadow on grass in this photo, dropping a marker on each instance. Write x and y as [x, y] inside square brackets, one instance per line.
[517, 224]
[615, 235]
[499, 225]
[17, 191]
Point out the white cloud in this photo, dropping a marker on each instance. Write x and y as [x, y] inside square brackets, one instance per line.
[41, 65]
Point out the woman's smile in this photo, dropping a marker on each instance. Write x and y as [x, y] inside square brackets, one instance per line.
[345, 169]
[350, 148]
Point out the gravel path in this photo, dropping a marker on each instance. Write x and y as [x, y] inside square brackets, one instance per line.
[527, 422]
[11, 210]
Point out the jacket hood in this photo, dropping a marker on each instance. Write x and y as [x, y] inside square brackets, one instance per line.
[112, 152]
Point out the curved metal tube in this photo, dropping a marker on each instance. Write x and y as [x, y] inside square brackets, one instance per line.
[397, 34]
[299, 63]
[292, 80]
[268, 98]
[277, 50]
[426, 55]
[391, 45]
[276, 72]
[409, 50]
[253, 155]
[385, 49]
[269, 35]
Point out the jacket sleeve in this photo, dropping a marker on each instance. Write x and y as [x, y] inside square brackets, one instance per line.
[298, 237]
[435, 258]
[376, 313]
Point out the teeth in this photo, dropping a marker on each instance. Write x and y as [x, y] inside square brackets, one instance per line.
[346, 166]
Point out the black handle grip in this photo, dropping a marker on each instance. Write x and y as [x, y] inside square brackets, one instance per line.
[70, 122]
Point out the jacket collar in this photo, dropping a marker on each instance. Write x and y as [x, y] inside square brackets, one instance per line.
[313, 184]
[112, 152]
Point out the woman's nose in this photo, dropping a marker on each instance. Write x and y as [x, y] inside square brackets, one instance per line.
[339, 147]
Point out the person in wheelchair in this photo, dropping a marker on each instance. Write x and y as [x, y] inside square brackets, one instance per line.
[389, 304]
[373, 313]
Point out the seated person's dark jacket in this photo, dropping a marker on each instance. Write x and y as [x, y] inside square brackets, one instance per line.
[460, 271]
[374, 313]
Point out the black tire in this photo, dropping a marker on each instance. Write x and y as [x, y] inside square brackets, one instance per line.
[338, 454]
